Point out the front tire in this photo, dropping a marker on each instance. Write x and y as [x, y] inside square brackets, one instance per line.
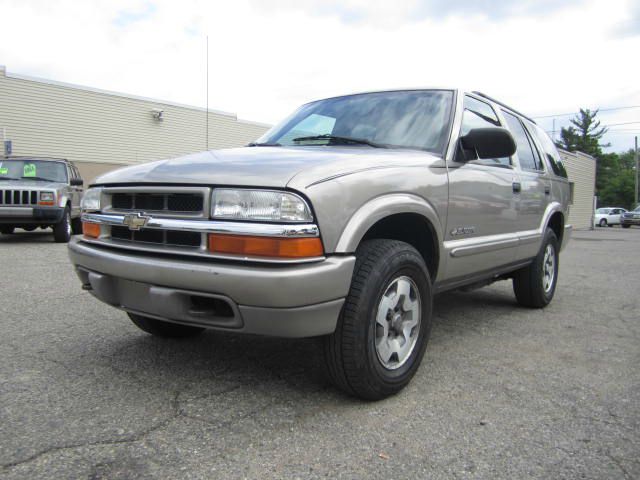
[164, 329]
[626, 226]
[76, 226]
[62, 229]
[385, 323]
[535, 284]
[7, 229]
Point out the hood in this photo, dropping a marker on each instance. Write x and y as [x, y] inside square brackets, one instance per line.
[29, 184]
[262, 166]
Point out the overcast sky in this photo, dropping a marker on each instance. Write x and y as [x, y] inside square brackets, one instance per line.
[269, 56]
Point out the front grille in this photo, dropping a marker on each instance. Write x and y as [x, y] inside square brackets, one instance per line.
[18, 197]
[179, 203]
[157, 237]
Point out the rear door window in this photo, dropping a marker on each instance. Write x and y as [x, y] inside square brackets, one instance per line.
[526, 155]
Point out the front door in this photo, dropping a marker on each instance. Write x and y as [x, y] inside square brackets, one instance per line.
[484, 196]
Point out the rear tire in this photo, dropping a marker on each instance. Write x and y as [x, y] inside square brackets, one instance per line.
[535, 284]
[7, 229]
[385, 323]
[164, 329]
[626, 226]
[603, 222]
[62, 230]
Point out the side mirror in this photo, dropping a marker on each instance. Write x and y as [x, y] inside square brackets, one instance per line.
[489, 142]
[76, 182]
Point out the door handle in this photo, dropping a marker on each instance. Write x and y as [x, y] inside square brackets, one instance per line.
[517, 187]
[547, 190]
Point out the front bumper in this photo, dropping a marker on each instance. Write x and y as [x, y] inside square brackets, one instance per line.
[281, 300]
[31, 215]
[629, 221]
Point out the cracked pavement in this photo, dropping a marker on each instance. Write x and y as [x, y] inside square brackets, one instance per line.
[503, 392]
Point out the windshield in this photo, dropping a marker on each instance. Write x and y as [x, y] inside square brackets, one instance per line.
[37, 170]
[417, 119]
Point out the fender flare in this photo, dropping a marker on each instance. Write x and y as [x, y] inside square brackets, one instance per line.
[381, 207]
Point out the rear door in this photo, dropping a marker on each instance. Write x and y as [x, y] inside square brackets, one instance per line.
[535, 186]
[482, 219]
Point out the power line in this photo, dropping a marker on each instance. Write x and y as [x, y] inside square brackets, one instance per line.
[598, 109]
[615, 124]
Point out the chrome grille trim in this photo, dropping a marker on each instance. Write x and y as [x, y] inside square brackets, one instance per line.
[212, 226]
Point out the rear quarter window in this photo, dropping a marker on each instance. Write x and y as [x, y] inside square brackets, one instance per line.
[550, 152]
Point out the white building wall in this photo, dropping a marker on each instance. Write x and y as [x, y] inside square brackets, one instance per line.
[101, 130]
[581, 170]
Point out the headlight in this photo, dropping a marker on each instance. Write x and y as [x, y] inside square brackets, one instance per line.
[264, 205]
[91, 200]
[46, 196]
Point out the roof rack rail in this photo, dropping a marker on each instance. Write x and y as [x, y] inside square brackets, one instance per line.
[505, 106]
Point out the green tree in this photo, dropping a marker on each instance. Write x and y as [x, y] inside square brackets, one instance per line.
[617, 180]
[584, 134]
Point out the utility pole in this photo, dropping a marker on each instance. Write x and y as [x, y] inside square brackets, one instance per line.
[637, 171]
[207, 139]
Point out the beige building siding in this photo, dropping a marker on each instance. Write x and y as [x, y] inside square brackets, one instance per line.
[581, 170]
[100, 131]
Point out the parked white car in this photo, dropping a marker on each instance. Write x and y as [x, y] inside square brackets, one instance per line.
[607, 217]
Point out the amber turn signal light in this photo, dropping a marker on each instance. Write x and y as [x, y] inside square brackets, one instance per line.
[265, 246]
[91, 230]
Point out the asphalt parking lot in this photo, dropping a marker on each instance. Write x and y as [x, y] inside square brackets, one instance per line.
[503, 392]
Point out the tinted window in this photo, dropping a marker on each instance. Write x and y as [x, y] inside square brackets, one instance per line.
[550, 152]
[528, 126]
[478, 114]
[525, 151]
[417, 119]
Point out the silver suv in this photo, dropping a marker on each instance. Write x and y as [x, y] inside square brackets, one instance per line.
[343, 221]
[40, 192]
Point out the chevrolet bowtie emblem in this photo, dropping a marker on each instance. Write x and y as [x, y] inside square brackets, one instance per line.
[136, 221]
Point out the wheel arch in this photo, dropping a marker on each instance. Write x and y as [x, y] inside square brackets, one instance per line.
[556, 223]
[404, 217]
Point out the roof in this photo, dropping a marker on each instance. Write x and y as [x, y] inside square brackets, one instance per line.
[46, 81]
[34, 157]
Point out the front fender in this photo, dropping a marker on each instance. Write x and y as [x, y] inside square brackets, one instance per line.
[384, 206]
[62, 198]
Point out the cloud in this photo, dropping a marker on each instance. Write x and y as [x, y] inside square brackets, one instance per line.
[398, 12]
[267, 57]
[126, 17]
[630, 26]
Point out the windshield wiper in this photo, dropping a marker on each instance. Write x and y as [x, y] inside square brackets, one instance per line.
[39, 178]
[264, 144]
[360, 141]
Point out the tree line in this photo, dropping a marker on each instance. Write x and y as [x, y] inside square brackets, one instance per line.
[615, 172]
